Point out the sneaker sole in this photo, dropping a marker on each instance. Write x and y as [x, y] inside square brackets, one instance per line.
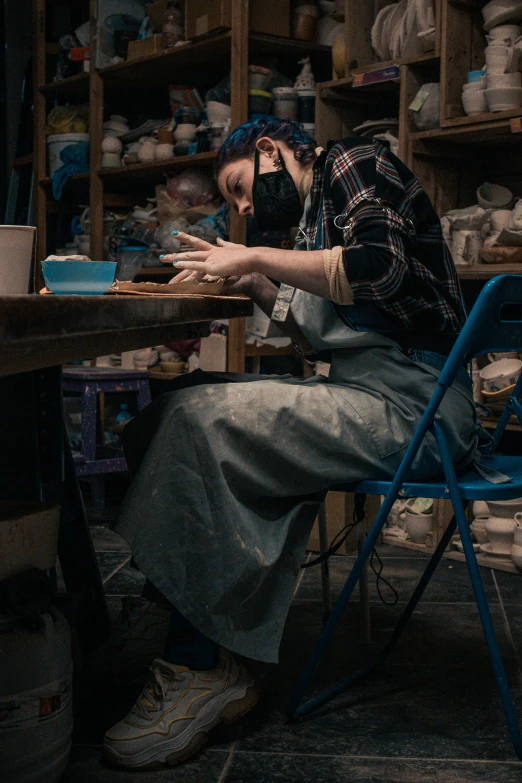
[231, 712]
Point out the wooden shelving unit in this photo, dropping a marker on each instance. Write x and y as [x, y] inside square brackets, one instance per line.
[450, 161]
[121, 88]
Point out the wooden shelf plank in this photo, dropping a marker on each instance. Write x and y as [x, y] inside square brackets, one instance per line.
[424, 59]
[73, 84]
[497, 132]
[155, 170]
[259, 43]
[487, 271]
[474, 119]
[160, 65]
[47, 181]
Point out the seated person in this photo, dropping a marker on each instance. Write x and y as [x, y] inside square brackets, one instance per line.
[229, 469]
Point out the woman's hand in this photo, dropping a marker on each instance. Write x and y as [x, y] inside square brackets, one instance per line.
[226, 260]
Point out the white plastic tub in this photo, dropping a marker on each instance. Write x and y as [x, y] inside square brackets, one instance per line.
[16, 252]
[56, 143]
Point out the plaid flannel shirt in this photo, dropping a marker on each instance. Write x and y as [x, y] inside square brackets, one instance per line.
[394, 254]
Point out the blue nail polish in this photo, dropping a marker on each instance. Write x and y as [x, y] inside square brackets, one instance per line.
[174, 263]
[163, 256]
[175, 233]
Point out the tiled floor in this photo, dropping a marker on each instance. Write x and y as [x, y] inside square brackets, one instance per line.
[432, 715]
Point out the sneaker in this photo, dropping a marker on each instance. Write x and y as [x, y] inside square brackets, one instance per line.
[175, 711]
[141, 634]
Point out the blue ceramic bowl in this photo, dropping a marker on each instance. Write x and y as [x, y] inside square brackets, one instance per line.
[80, 278]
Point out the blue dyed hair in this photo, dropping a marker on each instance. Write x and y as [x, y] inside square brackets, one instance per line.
[242, 141]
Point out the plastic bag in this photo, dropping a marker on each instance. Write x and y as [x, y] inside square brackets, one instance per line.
[192, 188]
[428, 116]
[68, 119]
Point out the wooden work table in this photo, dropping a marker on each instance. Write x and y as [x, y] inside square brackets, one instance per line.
[37, 335]
[45, 331]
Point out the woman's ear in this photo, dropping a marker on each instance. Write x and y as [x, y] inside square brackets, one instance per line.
[267, 145]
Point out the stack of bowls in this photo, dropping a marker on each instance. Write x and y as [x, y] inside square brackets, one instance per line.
[504, 84]
[473, 97]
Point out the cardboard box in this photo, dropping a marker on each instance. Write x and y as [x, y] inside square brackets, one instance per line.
[151, 45]
[271, 17]
[28, 536]
[156, 14]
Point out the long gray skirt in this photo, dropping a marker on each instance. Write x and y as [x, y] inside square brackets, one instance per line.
[228, 476]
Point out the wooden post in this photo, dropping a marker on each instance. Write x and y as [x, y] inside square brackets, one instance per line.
[39, 144]
[239, 114]
[96, 136]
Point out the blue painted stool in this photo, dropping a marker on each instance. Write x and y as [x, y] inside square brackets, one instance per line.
[95, 460]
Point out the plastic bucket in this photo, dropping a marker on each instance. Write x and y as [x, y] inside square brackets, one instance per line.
[16, 252]
[56, 143]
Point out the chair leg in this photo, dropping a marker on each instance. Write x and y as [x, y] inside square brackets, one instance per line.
[364, 595]
[294, 710]
[325, 567]
[480, 595]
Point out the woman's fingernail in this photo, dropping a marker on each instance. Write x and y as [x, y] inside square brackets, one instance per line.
[174, 263]
[175, 233]
[163, 256]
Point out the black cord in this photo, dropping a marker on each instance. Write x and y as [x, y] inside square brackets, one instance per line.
[359, 515]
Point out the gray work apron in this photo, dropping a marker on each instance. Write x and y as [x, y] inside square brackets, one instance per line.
[228, 475]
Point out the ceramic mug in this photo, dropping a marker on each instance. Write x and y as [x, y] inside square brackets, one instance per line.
[500, 533]
[499, 219]
[466, 247]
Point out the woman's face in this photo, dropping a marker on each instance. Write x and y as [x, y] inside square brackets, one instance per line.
[236, 179]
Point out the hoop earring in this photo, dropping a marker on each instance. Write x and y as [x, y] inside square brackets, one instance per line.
[276, 163]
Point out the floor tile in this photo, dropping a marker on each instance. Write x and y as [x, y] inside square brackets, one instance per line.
[110, 562]
[275, 768]
[106, 540]
[126, 581]
[87, 767]
[451, 582]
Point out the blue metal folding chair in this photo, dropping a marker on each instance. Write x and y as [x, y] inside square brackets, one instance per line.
[495, 324]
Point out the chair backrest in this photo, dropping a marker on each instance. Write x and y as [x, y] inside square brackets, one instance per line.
[494, 324]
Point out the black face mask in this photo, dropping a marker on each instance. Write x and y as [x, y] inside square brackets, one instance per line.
[276, 201]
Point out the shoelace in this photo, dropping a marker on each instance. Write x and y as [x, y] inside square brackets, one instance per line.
[165, 678]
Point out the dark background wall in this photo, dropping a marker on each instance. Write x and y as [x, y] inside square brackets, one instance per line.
[16, 40]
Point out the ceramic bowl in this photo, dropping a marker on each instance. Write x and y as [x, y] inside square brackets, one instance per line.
[418, 525]
[80, 278]
[491, 196]
[505, 508]
[516, 555]
[164, 151]
[118, 127]
[494, 80]
[504, 32]
[479, 531]
[119, 118]
[474, 102]
[475, 76]
[217, 112]
[503, 98]
[480, 84]
[499, 375]
[500, 532]
[497, 12]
